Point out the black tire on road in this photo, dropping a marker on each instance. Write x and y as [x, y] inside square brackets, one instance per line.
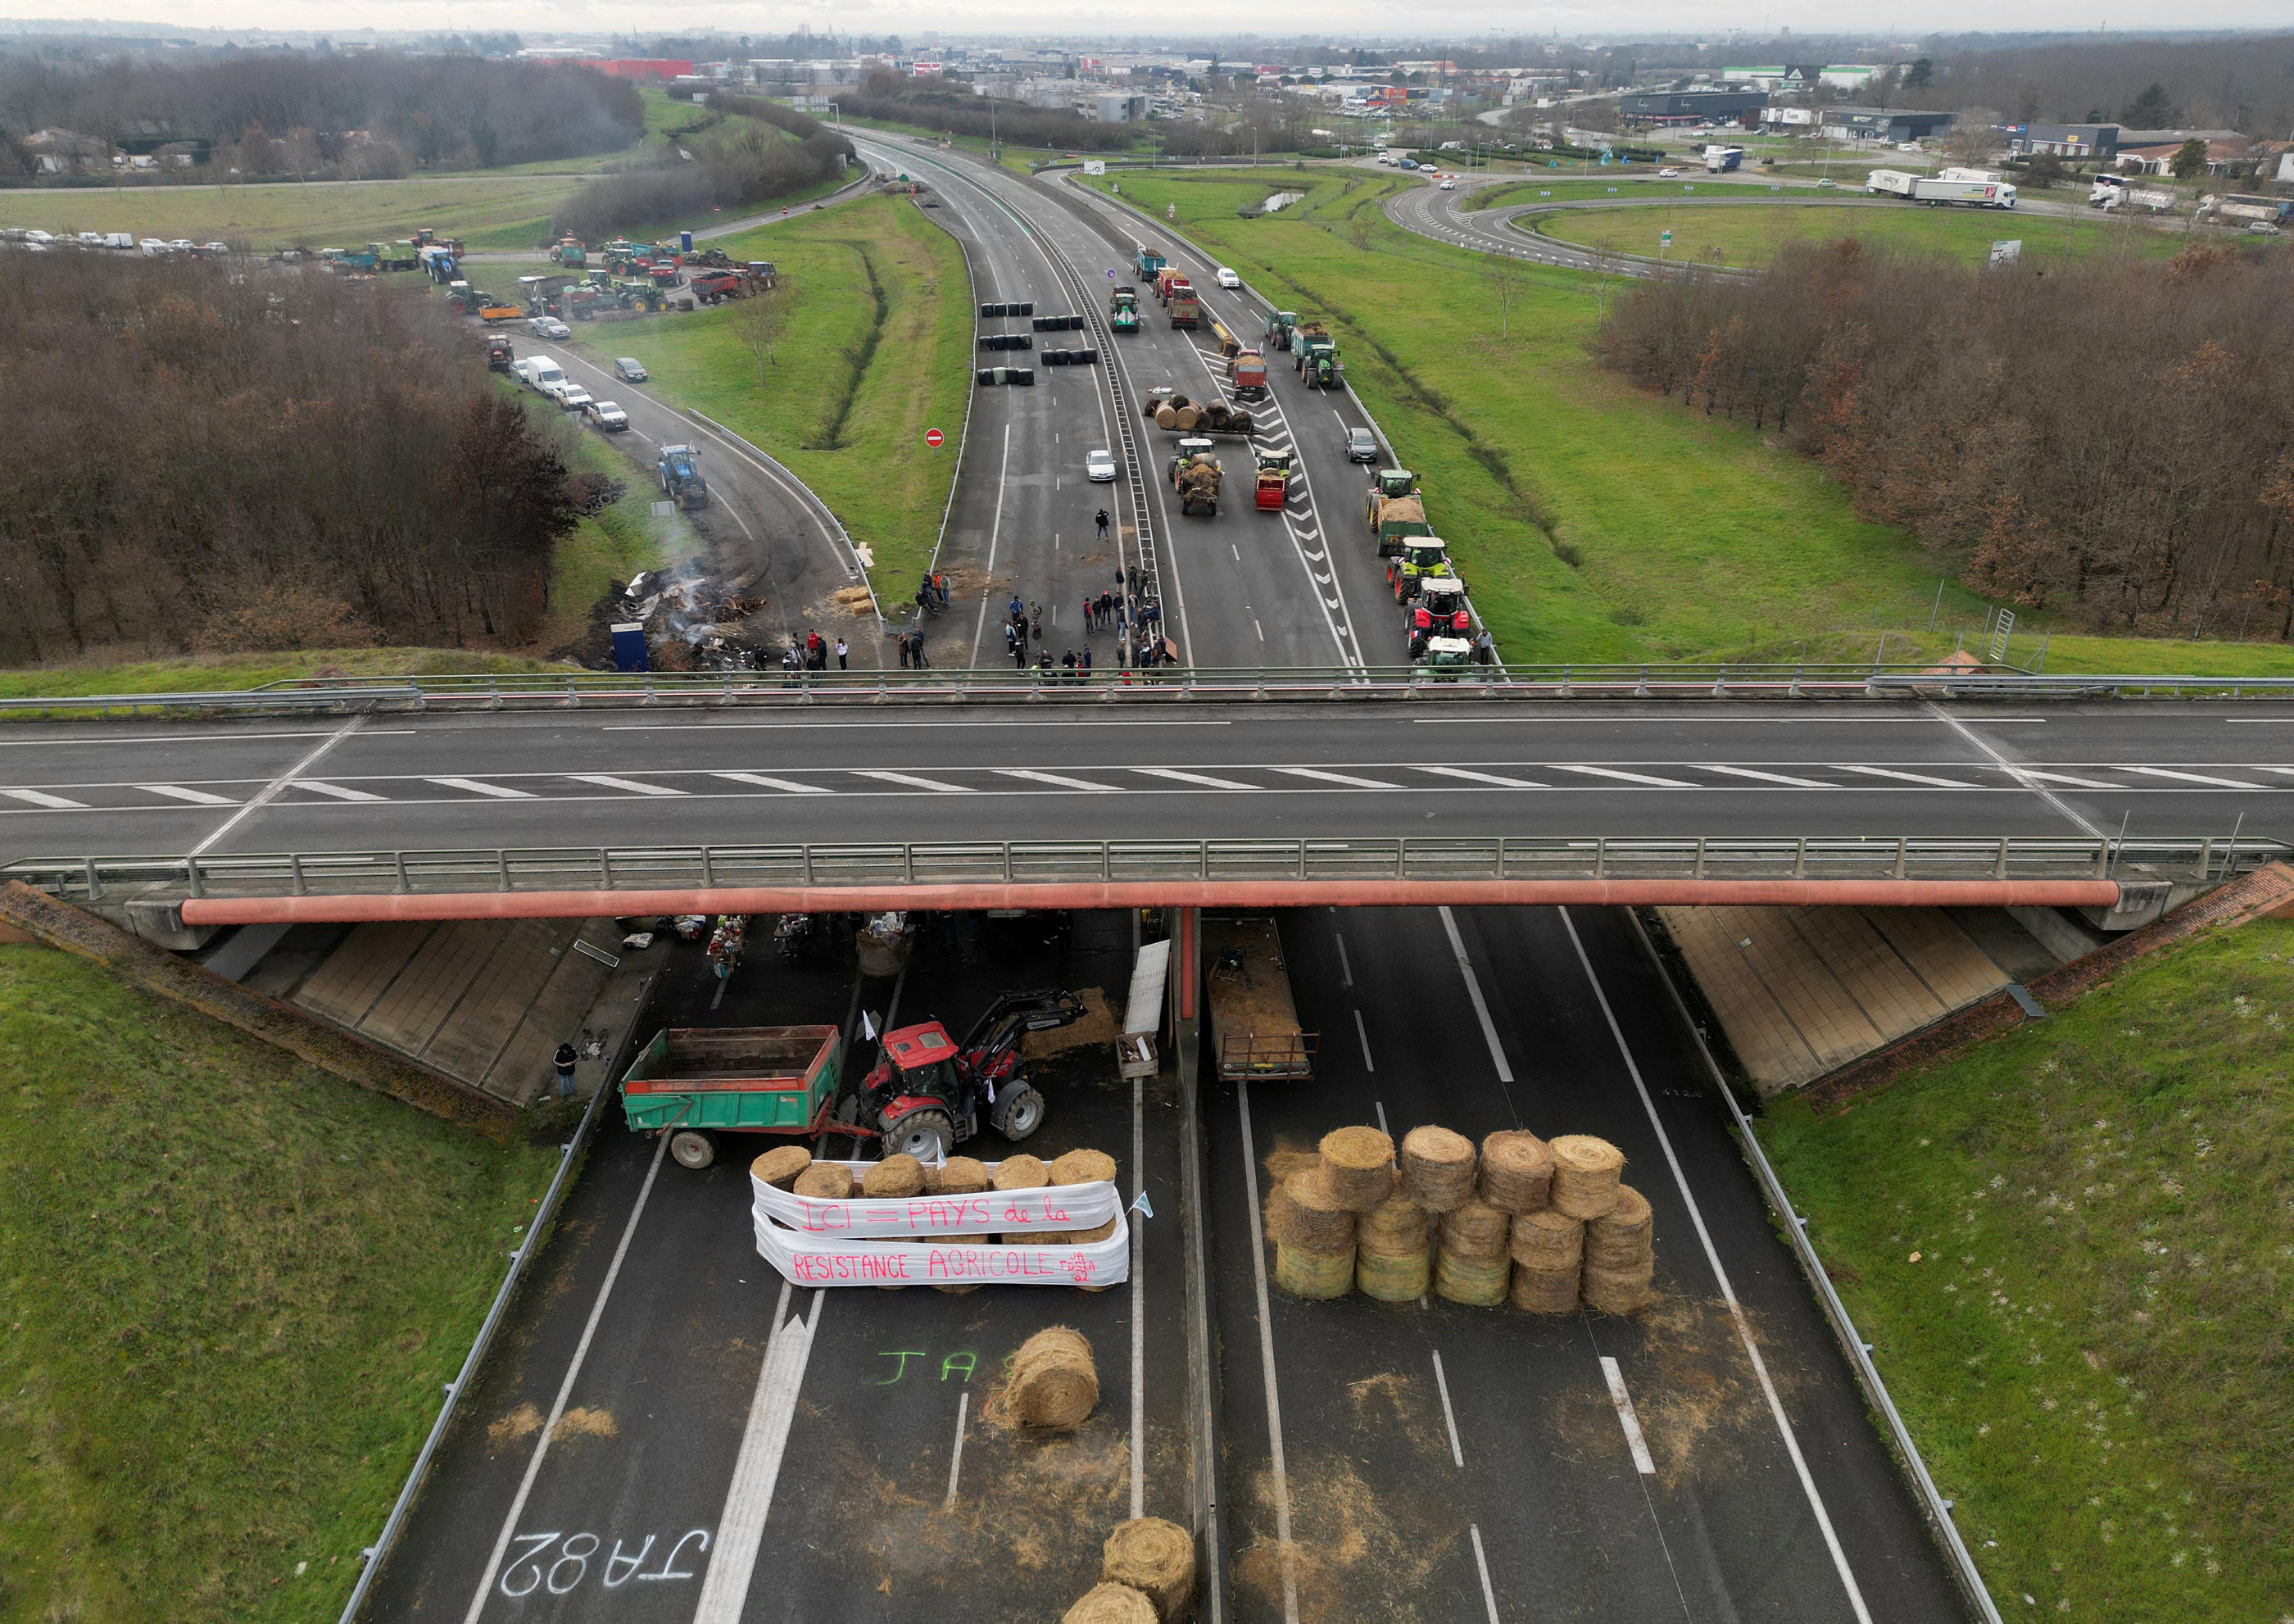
[1018, 1113]
[928, 1136]
[693, 1148]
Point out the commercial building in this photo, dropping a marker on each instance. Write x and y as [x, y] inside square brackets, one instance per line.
[1890, 124]
[1685, 107]
[2065, 140]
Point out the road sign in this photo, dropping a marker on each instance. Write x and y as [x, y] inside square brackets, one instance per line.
[934, 438]
[1664, 237]
[2007, 252]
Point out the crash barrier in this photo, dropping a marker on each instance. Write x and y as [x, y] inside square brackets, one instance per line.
[1026, 306]
[211, 882]
[998, 1237]
[1154, 684]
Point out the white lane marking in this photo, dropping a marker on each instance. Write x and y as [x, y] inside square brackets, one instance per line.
[1721, 1278]
[1362, 1033]
[635, 787]
[1266, 1366]
[1482, 778]
[762, 782]
[2194, 778]
[565, 1387]
[1626, 1418]
[1482, 1566]
[335, 790]
[38, 799]
[995, 530]
[1346, 966]
[1449, 1415]
[196, 798]
[1138, 1304]
[936, 725]
[1630, 778]
[741, 1525]
[1060, 779]
[2065, 778]
[1337, 778]
[478, 788]
[1192, 778]
[273, 790]
[2021, 775]
[889, 776]
[1474, 991]
[1767, 778]
[1911, 778]
[955, 1456]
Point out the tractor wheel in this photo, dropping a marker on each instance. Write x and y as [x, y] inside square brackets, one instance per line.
[928, 1136]
[693, 1148]
[1019, 1112]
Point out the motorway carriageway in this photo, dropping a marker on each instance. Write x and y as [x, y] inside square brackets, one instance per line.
[627, 777]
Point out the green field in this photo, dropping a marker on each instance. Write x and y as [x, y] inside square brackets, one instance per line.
[1749, 234]
[1672, 535]
[235, 1286]
[484, 211]
[2071, 1247]
[877, 477]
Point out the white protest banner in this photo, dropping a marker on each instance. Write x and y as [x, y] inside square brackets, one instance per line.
[806, 1260]
[1056, 1209]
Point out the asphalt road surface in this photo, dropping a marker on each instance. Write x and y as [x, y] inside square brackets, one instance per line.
[627, 1433]
[628, 777]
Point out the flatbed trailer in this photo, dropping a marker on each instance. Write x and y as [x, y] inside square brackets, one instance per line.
[693, 1082]
[1255, 1032]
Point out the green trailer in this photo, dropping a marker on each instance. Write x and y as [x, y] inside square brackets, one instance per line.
[694, 1083]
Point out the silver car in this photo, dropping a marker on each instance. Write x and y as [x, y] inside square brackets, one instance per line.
[628, 368]
[1099, 466]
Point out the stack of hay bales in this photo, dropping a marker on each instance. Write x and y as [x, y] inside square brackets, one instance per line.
[1053, 1384]
[1316, 1214]
[1547, 1248]
[1620, 1258]
[1471, 1265]
[1156, 1559]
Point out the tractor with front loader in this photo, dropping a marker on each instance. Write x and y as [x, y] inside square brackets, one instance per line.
[930, 1093]
[1422, 556]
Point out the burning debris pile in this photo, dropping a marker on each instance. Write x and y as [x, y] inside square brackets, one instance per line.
[695, 621]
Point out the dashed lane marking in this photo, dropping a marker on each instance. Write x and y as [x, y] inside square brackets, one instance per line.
[196, 798]
[1630, 778]
[1060, 779]
[1205, 779]
[336, 790]
[764, 782]
[1337, 778]
[38, 799]
[634, 786]
[910, 779]
[476, 787]
[1471, 776]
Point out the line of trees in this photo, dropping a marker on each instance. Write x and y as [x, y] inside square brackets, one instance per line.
[953, 109]
[205, 456]
[2231, 82]
[735, 165]
[441, 111]
[2112, 440]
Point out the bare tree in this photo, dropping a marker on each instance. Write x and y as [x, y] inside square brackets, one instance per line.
[1507, 280]
[762, 321]
[1973, 138]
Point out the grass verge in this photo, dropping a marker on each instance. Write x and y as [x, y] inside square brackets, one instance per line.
[1592, 521]
[484, 211]
[1750, 233]
[2072, 1250]
[879, 350]
[606, 550]
[219, 673]
[234, 1288]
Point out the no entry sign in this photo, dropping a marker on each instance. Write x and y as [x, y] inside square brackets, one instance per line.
[934, 438]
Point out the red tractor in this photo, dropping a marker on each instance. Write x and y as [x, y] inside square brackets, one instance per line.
[926, 1094]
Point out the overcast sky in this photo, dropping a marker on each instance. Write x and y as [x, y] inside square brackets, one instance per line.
[1460, 20]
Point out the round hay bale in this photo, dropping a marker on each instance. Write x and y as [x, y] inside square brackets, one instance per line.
[1156, 1558]
[1053, 1384]
[894, 1176]
[1585, 1174]
[957, 1176]
[1242, 422]
[1165, 418]
[1178, 400]
[1393, 1277]
[1083, 1167]
[1021, 1173]
[1438, 1168]
[1516, 1172]
[1317, 1275]
[1477, 1282]
[1618, 1291]
[1623, 1236]
[824, 1181]
[1315, 1217]
[780, 1167]
[1475, 1231]
[1396, 1228]
[1359, 1162]
[1549, 1241]
[1187, 417]
[1112, 1604]
[1543, 1291]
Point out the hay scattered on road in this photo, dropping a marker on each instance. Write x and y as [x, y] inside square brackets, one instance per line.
[520, 1424]
[587, 1423]
[1096, 1026]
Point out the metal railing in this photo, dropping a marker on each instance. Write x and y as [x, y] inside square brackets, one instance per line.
[1044, 862]
[2081, 685]
[1166, 683]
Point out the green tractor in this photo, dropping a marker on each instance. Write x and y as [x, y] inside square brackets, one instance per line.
[1396, 510]
[1279, 325]
[1422, 556]
[1318, 356]
[1447, 658]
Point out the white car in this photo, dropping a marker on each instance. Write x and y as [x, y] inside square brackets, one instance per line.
[608, 416]
[1449, 185]
[1668, 175]
[548, 326]
[1099, 466]
[40, 237]
[1228, 279]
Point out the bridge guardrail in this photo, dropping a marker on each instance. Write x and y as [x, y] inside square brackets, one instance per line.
[1166, 683]
[1406, 858]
